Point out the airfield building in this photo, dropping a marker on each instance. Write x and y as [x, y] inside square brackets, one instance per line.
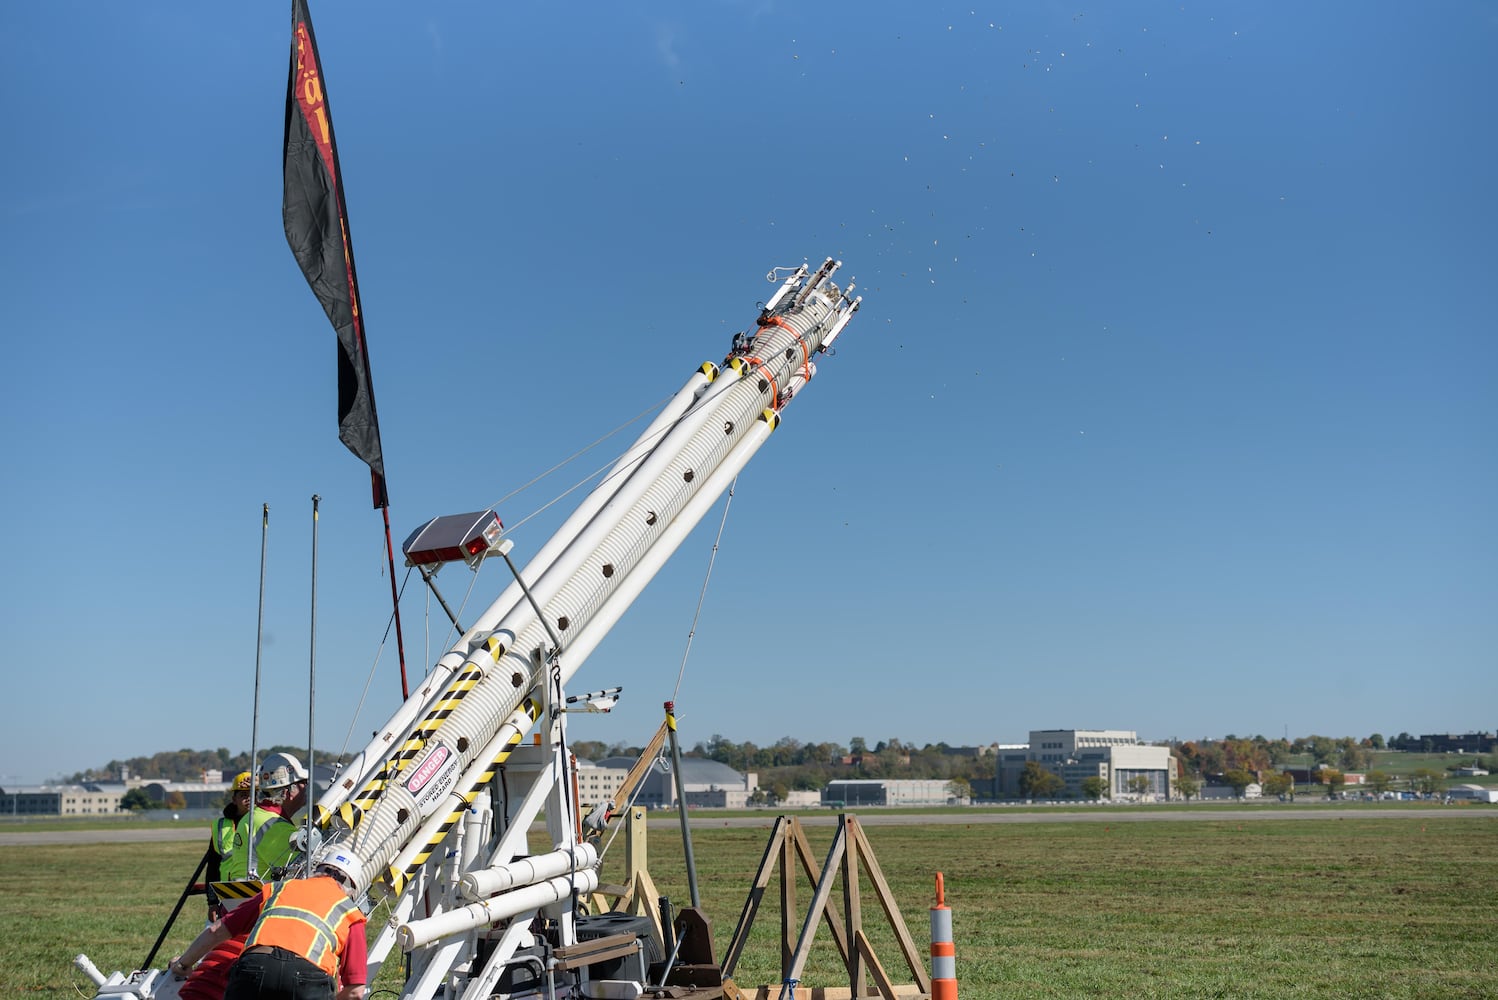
[707, 783]
[857, 792]
[1115, 755]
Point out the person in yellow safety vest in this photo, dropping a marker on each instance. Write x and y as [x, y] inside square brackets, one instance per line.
[221, 839]
[267, 828]
[306, 941]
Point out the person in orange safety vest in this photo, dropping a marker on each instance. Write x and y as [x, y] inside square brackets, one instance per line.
[306, 941]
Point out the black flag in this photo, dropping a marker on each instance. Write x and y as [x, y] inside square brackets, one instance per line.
[317, 229]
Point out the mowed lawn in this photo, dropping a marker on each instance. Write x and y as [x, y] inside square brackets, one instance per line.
[1403, 906]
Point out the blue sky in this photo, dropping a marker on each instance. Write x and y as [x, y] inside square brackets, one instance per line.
[1172, 406]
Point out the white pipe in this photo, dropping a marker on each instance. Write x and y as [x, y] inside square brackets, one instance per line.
[512, 595]
[354, 775]
[619, 543]
[417, 933]
[487, 882]
[624, 595]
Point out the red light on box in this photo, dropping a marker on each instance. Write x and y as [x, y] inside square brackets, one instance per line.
[453, 538]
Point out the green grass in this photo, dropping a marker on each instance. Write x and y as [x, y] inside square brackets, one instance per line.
[1400, 907]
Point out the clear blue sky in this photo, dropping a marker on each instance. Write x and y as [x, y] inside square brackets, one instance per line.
[1173, 403]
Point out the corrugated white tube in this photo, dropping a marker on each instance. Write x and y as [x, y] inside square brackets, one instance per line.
[486, 882]
[512, 595]
[613, 609]
[373, 757]
[399, 837]
[416, 933]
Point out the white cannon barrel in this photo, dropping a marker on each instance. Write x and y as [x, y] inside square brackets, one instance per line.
[486, 882]
[416, 933]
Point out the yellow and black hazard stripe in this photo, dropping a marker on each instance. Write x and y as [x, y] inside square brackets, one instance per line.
[242, 889]
[398, 877]
[457, 689]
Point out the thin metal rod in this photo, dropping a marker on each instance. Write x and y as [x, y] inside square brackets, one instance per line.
[681, 803]
[311, 794]
[395, 601]
[431, 582]
[255, 705]
[176, 910]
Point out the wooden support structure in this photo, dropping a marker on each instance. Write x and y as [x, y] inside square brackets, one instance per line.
[850, 857]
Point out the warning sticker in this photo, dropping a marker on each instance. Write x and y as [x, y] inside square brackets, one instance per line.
[434, 778]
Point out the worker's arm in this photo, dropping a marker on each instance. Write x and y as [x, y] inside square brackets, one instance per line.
[213, 935]
[354, 992]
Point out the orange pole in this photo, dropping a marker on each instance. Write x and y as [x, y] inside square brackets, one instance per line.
[943, 954]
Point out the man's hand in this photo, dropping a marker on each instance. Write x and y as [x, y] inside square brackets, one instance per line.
[352, 992]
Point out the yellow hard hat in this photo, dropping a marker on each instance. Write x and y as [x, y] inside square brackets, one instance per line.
[242, 781]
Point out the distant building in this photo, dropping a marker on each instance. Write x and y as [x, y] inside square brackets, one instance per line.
[1075, 755]
[706, 783]
[801, 798]
[597, 783]
[58, 800]
[187, 794]
[854, 793]
[1472, 793]
[1457, 743]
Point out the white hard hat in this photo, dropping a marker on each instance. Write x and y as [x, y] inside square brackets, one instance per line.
[281, 770]
[344, 867]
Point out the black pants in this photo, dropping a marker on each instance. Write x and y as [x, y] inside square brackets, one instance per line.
[278, 975]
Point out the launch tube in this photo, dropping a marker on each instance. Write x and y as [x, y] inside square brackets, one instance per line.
[486, 882]
[606, 564]
[416, 933]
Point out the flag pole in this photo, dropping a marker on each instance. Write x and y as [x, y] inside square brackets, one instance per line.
[312, 689]
[400, 644]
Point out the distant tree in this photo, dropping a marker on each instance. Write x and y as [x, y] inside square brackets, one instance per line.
[1376, 741]
[1332, 779]
[959, 788]
[1094, 787]
[176, 800]
[1211, 758]
[1239, 779]
[758, 797]
[1188, 786]
[1380, 781]
[1403, 741]
[136, 800]
[1424, 781]
[1138, 785]
[1354, 757]
[1035, 782]
[857, 745]
[1324, 749]
[1279, 784]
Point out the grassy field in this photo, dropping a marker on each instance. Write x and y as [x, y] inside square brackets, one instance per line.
[1397, 907]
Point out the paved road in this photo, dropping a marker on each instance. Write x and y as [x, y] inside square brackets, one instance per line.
[1102, 814]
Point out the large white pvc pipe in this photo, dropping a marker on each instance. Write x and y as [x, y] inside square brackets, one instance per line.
[488, 700]
[353, 775]
[606, 508]
[415, 834]
[422, 932]
[486, 882]
[701, 445]
[619, 601]
[591, 504]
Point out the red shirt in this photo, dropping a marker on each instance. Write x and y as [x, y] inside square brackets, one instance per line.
[352, 971]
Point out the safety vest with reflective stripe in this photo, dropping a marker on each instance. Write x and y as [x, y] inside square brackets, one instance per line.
[309, 916]
[270, 836]
[223, 838]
